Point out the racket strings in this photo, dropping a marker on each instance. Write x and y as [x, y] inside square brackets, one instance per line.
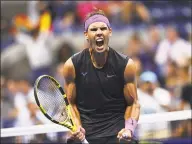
[52, 100]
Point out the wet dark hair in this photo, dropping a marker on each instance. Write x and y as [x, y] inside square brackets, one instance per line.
[96, 11]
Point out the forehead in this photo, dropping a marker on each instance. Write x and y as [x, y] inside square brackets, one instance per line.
[171, 30]
[97, 24]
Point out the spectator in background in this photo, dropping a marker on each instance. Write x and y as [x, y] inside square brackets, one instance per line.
[63, 16]
[183, 128]
[37, 44]
[149, 84]
[36, 36]
[153, 38]
[184, 75]
[186, 99]
[138, 48]
[45, 19]
[33, 11]
[28, 111]
[151, 42]
[172, 48]
[85, 7]
[65, 51]
[134, 48]
[39, 13]
[23, 115]
[134, 13]
[113, 11]
[153, 100]
[6, 36]
[176, 78]
[58, 75]
[170, 75]
[8, 112]
[185, 87]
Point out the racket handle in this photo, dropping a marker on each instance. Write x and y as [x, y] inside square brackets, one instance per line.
[85, 141]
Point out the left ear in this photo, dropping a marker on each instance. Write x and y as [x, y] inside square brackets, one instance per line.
[86, 35]
[110, 31]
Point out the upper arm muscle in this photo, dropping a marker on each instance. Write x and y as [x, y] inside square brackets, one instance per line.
[69, 76]
[130, 88]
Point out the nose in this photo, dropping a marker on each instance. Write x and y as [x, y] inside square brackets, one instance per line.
[99, 31]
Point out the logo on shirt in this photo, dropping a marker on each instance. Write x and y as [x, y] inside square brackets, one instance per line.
[109, 76]
[84, 73]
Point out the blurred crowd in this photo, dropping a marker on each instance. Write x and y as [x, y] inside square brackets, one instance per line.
[162, 56]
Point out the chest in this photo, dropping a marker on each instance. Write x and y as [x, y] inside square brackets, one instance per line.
[107, 79]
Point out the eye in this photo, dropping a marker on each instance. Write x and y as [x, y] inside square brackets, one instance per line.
[93, 29]
[104, 28]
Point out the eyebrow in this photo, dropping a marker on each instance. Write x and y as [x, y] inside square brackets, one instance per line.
[95, 28]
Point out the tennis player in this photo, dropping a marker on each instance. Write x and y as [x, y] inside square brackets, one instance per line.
[101, 87]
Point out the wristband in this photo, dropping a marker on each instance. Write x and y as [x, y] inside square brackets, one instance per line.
[131, 124]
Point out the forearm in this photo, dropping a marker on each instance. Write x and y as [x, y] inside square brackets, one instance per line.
[130, 92]
[75, 115]
[70, 90]
[132, 116]
[143, 12]
[71, 96]
[133, 111]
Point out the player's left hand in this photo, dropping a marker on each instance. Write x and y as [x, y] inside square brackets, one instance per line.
[125, 134]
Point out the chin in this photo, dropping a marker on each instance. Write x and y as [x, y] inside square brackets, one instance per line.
[100, 49]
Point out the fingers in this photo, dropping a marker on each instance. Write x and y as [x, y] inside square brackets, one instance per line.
[125, 135]
[119, 136]
[78, 135]
[81, 137]
[82, 130]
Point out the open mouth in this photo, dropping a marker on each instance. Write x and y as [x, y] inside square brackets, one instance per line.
[100, 42]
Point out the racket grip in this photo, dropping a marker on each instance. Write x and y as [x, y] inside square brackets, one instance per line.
[85, 141]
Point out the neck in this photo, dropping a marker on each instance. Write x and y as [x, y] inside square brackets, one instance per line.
[98, 59]
[174, 40]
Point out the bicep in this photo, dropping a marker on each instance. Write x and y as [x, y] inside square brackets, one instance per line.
[130, 87]
[70, 90]
[130, 92]
[69, 76]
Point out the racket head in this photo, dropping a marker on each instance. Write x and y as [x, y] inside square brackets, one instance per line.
[52, 101]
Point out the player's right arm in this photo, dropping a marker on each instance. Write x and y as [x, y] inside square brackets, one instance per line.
[70, 90]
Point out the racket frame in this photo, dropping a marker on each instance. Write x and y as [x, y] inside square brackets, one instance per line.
[68, 122]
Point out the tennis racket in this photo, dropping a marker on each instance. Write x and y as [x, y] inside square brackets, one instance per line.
[53, 103]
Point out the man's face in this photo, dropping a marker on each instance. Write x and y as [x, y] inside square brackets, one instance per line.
[148, 87]
[22, 86]
[98, 35]
[171, 34]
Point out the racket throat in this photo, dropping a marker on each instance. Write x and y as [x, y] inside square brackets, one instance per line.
[73, 126]
[69, 125]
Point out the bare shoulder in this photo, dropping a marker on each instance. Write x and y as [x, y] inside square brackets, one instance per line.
[130, 71]
[69, 70]
[68, 64]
